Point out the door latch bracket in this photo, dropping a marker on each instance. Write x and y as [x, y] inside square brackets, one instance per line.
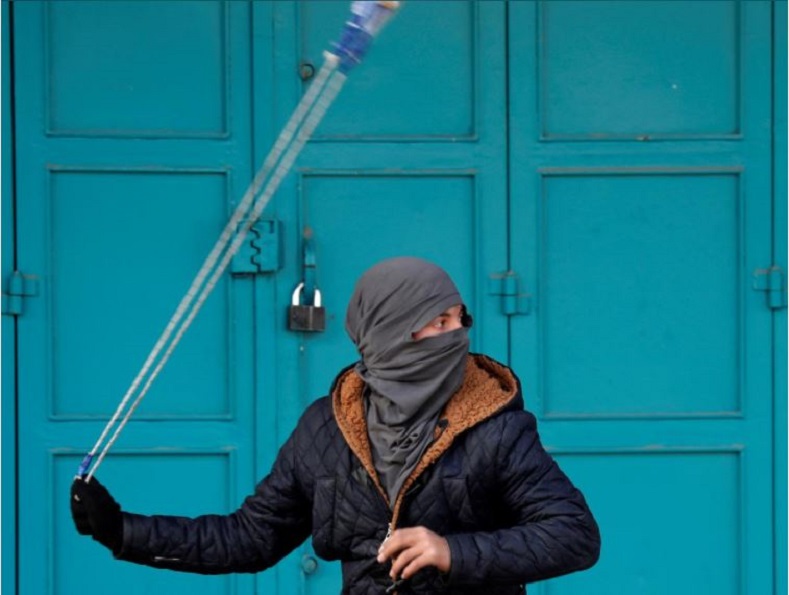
[506, 286]
[773, 282]
[18, 287]
[260, 253]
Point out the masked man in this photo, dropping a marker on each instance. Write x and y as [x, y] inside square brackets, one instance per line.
[420, 471]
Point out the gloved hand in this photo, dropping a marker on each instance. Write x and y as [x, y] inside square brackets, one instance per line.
[96, 513]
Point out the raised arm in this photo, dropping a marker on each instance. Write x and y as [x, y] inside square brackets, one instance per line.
[269, 524]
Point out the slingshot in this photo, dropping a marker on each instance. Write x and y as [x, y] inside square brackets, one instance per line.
[367, 18]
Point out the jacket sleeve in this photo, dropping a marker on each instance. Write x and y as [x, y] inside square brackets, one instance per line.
[269, 524]
[553, 530]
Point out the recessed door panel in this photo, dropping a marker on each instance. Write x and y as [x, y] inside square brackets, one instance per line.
[136, 259]
[693, 492]
[648, 357]
[130, 150]
[120, 68]
[608, 69]
[407, 102]
[640, 293]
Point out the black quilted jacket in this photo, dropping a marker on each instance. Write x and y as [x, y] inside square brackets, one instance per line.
[508, 512]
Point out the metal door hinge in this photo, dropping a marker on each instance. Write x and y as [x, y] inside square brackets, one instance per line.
[773, 282]
[506, 286]
[18, 287]
[260, 252]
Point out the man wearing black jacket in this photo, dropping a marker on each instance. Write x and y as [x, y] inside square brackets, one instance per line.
[420, 471]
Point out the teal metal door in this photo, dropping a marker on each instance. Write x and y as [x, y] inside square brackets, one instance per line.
[391, 172]
[613, 158]
[640, 209]
[130, 157]
[132, 144]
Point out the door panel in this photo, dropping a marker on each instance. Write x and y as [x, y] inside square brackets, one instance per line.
[143, 251]
[391, 172]
[147, 481]
[601, 81]
[130, 157]
[424, 215]
[129, 88]
[641, 221]
[692, 496]
[620, 254]
[446, 72]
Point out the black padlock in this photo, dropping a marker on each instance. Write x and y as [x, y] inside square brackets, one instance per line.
[304, 318]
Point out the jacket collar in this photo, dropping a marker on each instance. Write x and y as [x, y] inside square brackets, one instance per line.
[488, 387]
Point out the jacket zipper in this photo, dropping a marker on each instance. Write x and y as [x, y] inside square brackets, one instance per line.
[398, 504]
[401, 496]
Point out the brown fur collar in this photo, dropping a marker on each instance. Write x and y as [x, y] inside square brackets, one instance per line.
[487, 388]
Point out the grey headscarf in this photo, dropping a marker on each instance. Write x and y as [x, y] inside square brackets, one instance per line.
[408, 381]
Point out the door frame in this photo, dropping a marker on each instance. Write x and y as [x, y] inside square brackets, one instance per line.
[780, 249]
[9, 385]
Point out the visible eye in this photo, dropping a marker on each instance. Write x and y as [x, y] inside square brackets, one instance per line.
[449, 320]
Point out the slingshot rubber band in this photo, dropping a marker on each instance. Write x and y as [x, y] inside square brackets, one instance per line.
[367, 19]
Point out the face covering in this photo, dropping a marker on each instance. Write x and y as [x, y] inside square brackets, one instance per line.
[408, 382]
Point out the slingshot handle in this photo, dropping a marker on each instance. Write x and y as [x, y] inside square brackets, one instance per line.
[84, 465]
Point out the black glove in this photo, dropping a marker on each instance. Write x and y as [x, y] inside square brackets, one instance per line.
[96, 513]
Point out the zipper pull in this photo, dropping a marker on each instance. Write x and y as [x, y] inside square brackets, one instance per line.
[388, 535]
[392, 589]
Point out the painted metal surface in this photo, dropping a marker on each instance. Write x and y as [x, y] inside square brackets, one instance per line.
[640, 207]
[131, 156]
[408, 177]
[8, 414]
[615, 156]
[780, 253]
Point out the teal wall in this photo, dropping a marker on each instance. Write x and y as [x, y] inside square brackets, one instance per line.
[617, 157]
